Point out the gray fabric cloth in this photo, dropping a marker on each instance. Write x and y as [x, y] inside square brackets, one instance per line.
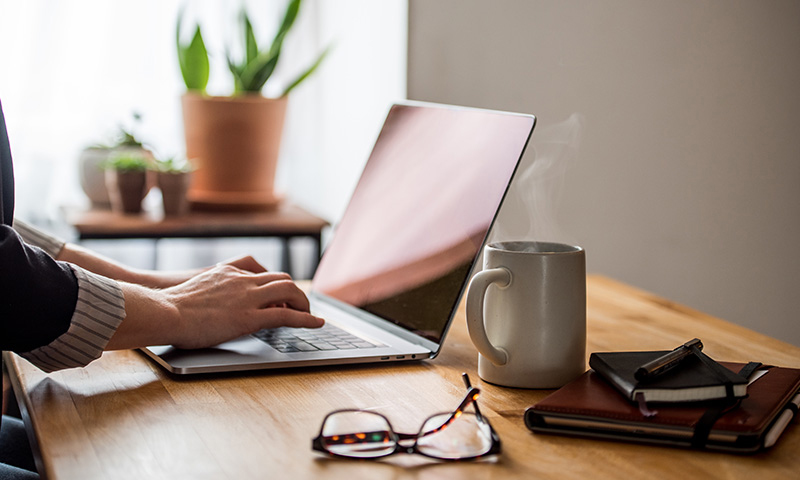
[16, 459]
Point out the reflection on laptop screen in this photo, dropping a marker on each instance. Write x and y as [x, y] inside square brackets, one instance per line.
[427, 197]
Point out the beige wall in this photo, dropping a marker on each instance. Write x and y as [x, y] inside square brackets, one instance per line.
[686, 181]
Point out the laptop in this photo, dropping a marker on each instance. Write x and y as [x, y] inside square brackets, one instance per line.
[399, 260]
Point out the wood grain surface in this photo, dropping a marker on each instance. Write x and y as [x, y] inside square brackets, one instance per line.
[122, 417]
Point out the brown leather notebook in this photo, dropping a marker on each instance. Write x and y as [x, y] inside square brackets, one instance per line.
[590, 407]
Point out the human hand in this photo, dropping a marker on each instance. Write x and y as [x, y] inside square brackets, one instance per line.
[246, 263]
[219, 304]
[166, 279]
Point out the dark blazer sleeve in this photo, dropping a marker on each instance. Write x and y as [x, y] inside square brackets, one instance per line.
[37, 294]
[6, 175]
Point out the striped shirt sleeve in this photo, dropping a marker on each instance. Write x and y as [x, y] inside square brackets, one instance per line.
[38, 238]
[99, 311]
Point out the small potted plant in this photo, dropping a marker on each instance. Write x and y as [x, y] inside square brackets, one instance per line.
[93, 159]
[172, 178]
[126, 180]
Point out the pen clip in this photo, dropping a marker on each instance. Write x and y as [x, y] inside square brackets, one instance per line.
[695, 342]
[668, 361]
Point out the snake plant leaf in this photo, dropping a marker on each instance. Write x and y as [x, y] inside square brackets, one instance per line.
[256, 66]
[193, 59]
[197, 68]
[288, 20]
[305, 74]
[257, 72]
[236, 72]
[250, 44]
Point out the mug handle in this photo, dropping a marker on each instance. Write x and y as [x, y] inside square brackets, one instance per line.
[476, 295]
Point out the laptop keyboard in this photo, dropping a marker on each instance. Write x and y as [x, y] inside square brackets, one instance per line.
[329, 337]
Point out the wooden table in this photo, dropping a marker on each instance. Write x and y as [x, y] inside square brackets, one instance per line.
[123, 417]
[285, 222]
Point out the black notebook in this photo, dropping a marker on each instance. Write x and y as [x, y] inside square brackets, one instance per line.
[692, 381]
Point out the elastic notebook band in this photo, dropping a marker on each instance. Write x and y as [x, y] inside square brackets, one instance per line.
[748, 369]
[703, 427]
[719, 371]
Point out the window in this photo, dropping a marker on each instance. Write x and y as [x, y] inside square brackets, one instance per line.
[71, 72]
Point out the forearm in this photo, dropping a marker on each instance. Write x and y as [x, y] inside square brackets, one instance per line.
[109, 268]
[150, 319]
[149, 278]
[96, 263]
[100, 265]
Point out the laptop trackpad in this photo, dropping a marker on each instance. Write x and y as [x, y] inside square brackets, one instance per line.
[240, 350]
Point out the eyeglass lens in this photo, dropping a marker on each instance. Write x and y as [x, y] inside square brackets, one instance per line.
[374, 436]
[466, 437]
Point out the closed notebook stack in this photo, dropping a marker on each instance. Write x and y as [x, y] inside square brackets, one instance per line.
[591, 407]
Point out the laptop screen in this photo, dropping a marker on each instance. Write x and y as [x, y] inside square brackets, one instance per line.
[420, 212]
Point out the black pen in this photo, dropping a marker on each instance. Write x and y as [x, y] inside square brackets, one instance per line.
[662, 364]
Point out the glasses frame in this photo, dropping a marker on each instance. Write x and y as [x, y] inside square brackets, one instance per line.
[471, 398]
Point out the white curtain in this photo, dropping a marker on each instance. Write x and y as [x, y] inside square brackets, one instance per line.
[72, 71]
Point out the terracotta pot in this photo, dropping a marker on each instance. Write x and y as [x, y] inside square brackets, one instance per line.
[233, 143]
[93, 177]
[126, 189]
[174, 188]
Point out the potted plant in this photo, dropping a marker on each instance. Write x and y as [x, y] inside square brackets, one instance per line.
[234, 141]
[172, 178]
[126, 180]
[93, 159]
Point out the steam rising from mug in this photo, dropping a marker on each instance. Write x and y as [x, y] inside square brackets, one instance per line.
[529, 209]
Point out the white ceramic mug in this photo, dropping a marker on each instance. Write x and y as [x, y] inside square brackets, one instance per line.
[526, 314]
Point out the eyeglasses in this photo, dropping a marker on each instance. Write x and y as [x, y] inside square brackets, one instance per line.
[457, 435]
